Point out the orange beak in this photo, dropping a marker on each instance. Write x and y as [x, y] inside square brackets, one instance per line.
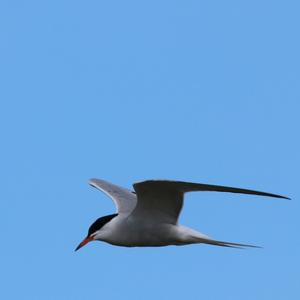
[84, 242]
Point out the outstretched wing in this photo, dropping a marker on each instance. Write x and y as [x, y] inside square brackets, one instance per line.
[162, 200]
[124, 199]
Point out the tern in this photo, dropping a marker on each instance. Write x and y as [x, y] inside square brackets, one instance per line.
[148, 216]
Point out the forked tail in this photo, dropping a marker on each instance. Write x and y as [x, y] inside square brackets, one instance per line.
[191, 236]
[225, 244]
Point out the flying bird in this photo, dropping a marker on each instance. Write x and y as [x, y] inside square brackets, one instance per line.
[148, 216]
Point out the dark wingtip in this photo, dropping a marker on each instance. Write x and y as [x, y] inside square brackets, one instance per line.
[275, 196]
[91, 182]
[284, 197]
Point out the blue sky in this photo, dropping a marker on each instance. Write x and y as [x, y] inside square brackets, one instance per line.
[131, 90]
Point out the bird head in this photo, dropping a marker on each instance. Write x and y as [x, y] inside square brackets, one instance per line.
[94, 231]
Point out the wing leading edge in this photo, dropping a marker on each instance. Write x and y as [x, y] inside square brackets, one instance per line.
[184, 187]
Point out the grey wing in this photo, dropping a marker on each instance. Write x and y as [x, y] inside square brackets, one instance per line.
[163, 199]
[124, 199]
[157, 201]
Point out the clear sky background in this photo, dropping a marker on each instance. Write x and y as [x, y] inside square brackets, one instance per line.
[202, 91]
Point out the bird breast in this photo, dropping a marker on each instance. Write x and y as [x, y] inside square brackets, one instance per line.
[132, 233]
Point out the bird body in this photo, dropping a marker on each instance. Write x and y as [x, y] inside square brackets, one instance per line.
[148, 217]
[131, 232]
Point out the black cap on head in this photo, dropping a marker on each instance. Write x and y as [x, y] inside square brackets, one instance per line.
[99, 223]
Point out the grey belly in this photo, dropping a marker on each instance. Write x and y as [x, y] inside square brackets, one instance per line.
[133, 235]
